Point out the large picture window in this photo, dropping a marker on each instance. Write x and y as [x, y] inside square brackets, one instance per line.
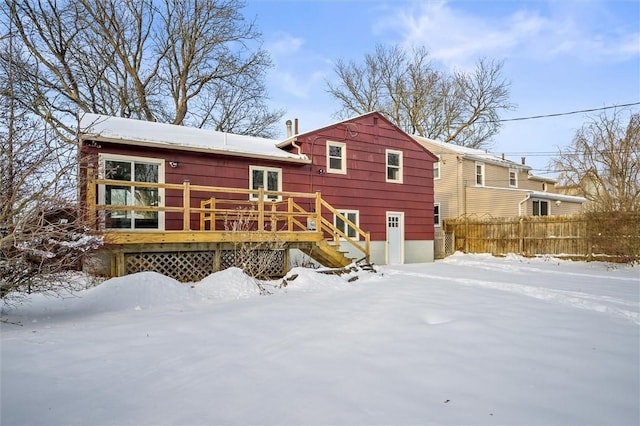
[268, 178]
[336, 157]
[353, 216]
[133, 170]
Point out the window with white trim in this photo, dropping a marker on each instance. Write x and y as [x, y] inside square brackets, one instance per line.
[352, 216]
[436, 168]
[269, 178]
[394, 166]
[479, 174]
[336, 157]
[513, 178]
[436, 214]
[131, 169]
[540, 208]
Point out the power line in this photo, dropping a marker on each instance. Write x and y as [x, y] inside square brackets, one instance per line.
[558, 114]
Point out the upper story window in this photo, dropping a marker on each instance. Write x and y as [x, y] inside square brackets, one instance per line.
[479, 174]
[513, 178]
[336, 157]
[394, 166]
[269, 178]
[352, 216]
[436, 169]
[436, 214]
[540, 208]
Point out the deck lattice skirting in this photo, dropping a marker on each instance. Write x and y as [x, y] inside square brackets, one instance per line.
[270, 220]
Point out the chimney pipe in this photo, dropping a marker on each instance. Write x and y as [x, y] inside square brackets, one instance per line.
[523, 160]
[295, 126]
[503, 155]
[288, 124]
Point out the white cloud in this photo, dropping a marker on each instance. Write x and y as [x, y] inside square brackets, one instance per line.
[284, 45]
[456, 37]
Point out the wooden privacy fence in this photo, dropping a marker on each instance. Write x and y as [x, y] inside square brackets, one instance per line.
[612, 235]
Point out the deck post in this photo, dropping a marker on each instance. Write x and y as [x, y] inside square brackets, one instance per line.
[290, 215]
[186, 205]
[318, 211]
[367, 246]
[261, 209]
[91, 198]
[274, 217]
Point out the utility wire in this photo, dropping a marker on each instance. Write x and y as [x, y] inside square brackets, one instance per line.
[565, 113]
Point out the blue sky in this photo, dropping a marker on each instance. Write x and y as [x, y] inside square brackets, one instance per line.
[560, 56]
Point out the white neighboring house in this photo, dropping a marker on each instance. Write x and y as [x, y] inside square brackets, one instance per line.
[471, 182]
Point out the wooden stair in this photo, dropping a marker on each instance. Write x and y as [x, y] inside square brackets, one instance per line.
[325, 253]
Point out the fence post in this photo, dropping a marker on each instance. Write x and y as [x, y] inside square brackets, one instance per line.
[521, 236]
[186, 205]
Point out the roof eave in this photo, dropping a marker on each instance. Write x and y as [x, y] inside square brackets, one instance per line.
[151, 144]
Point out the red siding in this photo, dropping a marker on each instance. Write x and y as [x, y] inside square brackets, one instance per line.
[363, 188]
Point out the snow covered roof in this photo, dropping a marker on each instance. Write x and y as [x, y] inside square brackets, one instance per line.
[146, 133]
[470, 153]
[557, 197]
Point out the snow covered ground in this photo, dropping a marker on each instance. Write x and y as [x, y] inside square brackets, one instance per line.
[468, 340]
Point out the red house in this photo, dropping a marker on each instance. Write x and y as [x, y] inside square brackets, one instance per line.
[158, 191]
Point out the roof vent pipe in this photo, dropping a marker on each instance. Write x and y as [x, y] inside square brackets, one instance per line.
[288, 123]
[295, 126]
[503, 155]
[523, 160]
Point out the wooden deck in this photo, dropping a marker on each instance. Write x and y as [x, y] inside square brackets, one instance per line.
[218, 215]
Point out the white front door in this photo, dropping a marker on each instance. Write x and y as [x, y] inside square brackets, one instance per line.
[395, 238]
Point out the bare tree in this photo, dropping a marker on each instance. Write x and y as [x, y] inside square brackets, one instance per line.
[40, 233]
[462, 108]
[171, 61]
[603, 162]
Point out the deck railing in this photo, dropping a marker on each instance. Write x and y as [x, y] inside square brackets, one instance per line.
[220, 209]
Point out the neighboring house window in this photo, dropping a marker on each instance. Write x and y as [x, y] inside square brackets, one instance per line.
[131, 169]
[436, 169]
[513, 178]
[436, 214]
[480, 174]
[394, 166]
[336, 157]
[267, 177]
[353, 216]
[540, 208]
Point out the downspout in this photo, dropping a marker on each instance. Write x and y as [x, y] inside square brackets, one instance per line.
[522, 202]
[297, 147]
